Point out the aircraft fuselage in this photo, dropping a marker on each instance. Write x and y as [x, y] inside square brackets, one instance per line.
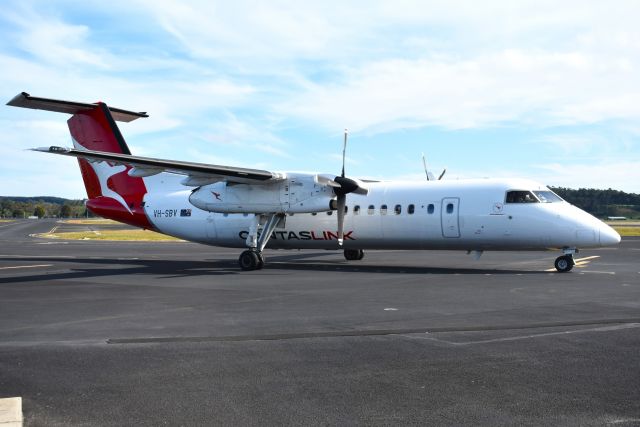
[465, 214]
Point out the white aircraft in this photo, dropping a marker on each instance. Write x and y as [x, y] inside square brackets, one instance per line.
[253, 209]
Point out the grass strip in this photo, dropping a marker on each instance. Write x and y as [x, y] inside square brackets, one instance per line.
[628, 231]
[113, 235]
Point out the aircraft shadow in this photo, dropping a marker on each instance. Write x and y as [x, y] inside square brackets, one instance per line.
[86, 268]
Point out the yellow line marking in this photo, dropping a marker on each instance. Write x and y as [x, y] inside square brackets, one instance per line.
[26, 266]
[587, 258]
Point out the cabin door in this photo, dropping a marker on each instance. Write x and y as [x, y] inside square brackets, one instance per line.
[449, 217]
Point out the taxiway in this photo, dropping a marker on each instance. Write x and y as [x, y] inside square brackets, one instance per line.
[106, 333]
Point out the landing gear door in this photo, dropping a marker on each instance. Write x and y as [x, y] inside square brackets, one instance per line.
[210, 225]
[449, 217]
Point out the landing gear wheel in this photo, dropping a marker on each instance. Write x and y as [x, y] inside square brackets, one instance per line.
[249, 260]
[353, 254]
[260, 260]
[564, 263]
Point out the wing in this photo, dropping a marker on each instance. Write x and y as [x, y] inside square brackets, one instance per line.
[196, 174]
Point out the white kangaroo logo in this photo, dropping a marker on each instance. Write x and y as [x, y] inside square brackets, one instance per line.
[104, 171]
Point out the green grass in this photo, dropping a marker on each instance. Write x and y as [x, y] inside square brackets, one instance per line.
[627, 231]
[96, 221]
[119, 235]
[6, 220]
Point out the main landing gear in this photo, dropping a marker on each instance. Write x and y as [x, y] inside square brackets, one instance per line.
[353, 254]
[565, 262]
[252, 259]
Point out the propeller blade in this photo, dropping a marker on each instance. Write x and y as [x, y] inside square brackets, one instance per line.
[424, 163]
[342, 201]
[344, 150]
[442, 174]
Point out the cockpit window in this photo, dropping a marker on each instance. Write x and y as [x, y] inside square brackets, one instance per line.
[521, 197]
[547, 196]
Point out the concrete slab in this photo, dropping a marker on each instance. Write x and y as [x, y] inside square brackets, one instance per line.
[11, 412]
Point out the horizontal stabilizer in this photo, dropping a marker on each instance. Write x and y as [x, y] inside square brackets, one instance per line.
[25, 100]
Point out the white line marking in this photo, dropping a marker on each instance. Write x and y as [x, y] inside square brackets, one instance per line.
[11, 411]
[525, 337]
[630, 421]
[390, 309]
[26, 266]
[600, 272]
[37, 256]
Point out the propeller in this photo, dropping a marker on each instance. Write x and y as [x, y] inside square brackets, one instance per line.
[347, 185]
[430, 176]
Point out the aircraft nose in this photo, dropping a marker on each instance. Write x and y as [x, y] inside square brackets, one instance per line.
[608, 236]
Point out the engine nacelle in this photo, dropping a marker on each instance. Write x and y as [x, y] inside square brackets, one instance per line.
[298, 193]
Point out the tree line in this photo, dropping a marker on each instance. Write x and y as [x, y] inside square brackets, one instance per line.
[600, 203]
[45, 206]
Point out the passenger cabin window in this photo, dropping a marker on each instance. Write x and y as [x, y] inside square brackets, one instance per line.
[431, 208]
[521, 197]
[397, 210]
[383, 209]
[449, 208]
[356, 210]
[371, 210]
[547, 196]
[411, 209]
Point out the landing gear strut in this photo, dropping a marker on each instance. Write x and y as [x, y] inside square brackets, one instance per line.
[252, 259]
[565, 262]
[353, 254]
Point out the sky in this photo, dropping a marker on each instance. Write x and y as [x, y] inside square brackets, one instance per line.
[540, 89]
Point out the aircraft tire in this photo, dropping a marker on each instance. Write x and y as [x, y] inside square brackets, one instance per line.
[248, 261]
[353, 254]
[260, 261]
[564, 263]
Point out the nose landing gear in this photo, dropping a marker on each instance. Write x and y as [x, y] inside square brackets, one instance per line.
[565, 262]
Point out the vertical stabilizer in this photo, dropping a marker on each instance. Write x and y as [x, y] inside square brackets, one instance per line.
[112, 192]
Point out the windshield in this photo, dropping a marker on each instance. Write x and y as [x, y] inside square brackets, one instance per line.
[547, 196]
[518, 196]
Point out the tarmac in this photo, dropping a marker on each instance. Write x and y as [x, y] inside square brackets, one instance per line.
[173, 333]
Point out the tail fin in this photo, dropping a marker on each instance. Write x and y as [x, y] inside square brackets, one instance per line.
[112, 192]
